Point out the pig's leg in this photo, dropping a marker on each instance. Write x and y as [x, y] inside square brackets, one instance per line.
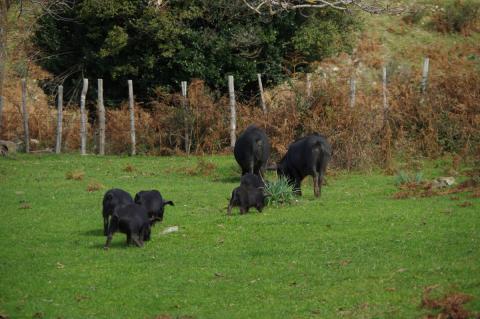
[316, 184]
[137, 241]
[105, 225]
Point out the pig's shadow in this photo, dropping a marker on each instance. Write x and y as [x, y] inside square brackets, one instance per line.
[114, 245]
[93, 232]
[228, 179]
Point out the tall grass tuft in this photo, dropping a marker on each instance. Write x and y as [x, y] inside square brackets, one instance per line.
[279, 192]
[403, 178]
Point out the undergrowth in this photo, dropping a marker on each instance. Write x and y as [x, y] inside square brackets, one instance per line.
[442, 120]
[404, 177]
[279, 192]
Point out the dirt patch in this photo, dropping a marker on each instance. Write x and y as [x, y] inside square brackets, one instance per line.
[129, 168]
[75, 175]
[476, 194]
[171, 317]
[466, 204]
[204, 168]
[450, 306]
[24, 206]
[427, 189]
[201, 168]
[94, 186]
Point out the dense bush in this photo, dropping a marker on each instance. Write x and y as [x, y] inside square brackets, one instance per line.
[128, 39]
[462, 16]
[445, 119]
[415, 14]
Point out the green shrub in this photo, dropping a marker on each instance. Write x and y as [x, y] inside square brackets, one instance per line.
[460, 16]
[127, 39]
[403, 178]
[279, 192]
[415, 15]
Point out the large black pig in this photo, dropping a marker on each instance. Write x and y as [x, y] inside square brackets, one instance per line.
[252, 150]
[132, 220]
[113, 198]
[306, 156]
[153, 203]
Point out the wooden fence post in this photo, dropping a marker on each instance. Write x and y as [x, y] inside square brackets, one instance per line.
[424, 82]
[309, 86]
[58, 145]
[262, 96]
[131, 108]
[185, 117]
[101, 118]
[233, 115]
[1, 112]
[353, 89]
[83, 119]
[385, 101]
[25, 116]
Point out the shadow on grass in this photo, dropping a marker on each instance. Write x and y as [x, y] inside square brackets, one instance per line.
[113, 245]
[228, 179]
[93, 232]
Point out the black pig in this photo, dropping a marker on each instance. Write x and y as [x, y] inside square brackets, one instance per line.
[306, 156]
[113, 198]
[252, 150]
[132, 220]
[248, 194]
[153, 203]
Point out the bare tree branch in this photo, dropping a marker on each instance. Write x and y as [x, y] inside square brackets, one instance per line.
[157, 3]
[276, 6]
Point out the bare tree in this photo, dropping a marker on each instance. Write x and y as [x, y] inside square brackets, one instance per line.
[276, 6]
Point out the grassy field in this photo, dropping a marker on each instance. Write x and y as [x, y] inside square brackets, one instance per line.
[354, 253]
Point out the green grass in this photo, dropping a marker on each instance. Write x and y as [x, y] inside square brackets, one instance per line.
[354, 253]
[409, 44]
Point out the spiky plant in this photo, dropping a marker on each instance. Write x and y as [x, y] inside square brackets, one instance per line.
[279, 192]
[403, 178]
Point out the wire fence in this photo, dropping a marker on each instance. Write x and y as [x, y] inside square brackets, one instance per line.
[353, 111]
[150, 130]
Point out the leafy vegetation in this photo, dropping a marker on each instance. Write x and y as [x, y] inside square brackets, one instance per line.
[354, 253]
[279, 192]
[128, 39]
[462, 16]
[404, 177]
